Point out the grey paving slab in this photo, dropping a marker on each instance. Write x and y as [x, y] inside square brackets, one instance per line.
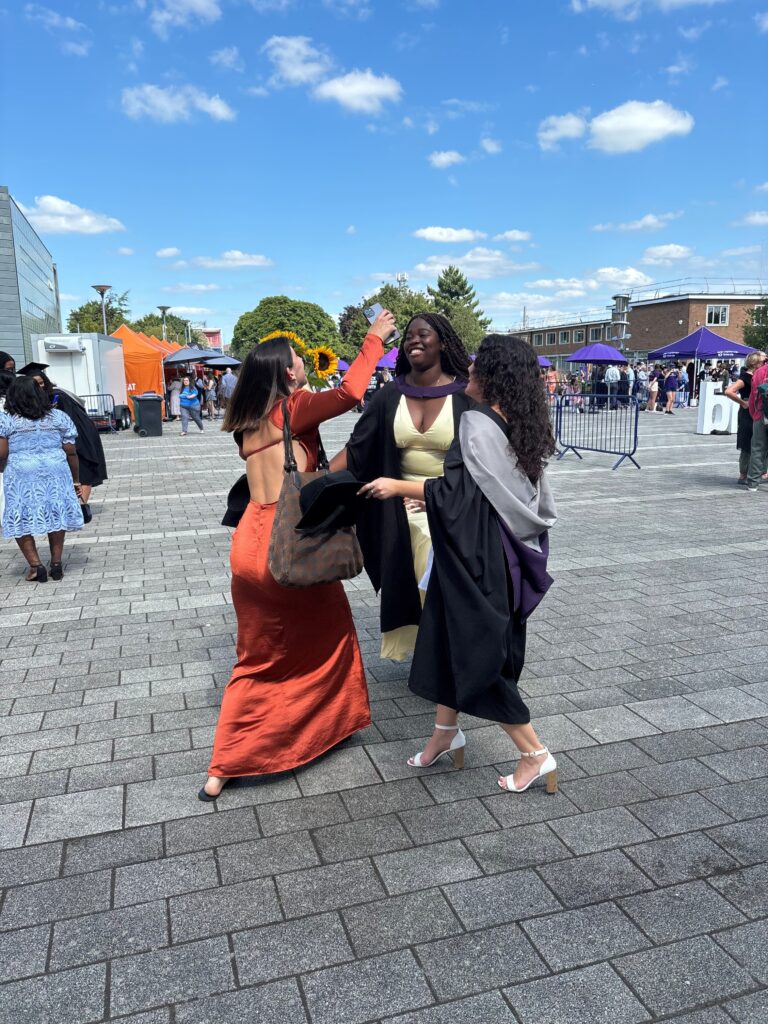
[23, 952]
[383, 985]
[362, 838]
[76, 814]
[594, 878]
[751, 1009]
[747, 841]
[279, 1003]
[386, 925]
[681, 911]
[30, 864]
[575, 938]
[157, 879]
[681, 858]
[747, 888]
[68, 997]
[519, 847]
[328, 887]
[112, 849]
[197, 915]
[684, 813]
[592, 995]
[489, 1008]
[13, 823]
[500, 899]
[748, 945]
[426, 866]
[112, 933]
[272, 855]
[55, 899]
[292, 947]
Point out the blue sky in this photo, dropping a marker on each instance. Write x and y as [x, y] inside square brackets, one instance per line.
[205, 153]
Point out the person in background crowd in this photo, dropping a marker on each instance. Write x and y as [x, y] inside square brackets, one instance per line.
[210, 397]
[200, 385]
[573, 393]
[684, 383]
[40, 469]
[227, 386]
[690, 372]
[758, 457]
[623, 387]
[739, 392]
[190, 406]
[405, 431]
[641, 380]
[90, 451]
[298, 687]
[490, 514]
[7, 362]
[630, 379]
[174, 405]
[6, 379]
[612, 378]
[654, 377]
[671, 383]
[552, 380]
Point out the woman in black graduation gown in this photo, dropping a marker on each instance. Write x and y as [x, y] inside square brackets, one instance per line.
[489, 517]
[407, 427]
[90, 451]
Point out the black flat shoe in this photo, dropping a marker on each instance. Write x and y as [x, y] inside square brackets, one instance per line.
[85, 508]
[40, 574]
[56, 571]
[207, 798]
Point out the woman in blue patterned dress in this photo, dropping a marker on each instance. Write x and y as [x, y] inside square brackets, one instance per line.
[40, 475]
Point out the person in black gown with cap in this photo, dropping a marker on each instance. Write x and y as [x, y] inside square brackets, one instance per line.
[90, 451]
[489, 517]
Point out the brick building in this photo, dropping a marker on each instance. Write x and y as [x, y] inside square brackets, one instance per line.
[647, 321]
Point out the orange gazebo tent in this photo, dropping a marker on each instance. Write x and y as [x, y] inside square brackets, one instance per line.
[143, 363]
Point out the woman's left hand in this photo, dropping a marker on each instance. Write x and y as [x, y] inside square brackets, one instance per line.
[382, 488]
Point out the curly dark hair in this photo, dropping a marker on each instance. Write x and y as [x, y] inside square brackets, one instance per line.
[507, 372]
[27, 399]
[454, 358]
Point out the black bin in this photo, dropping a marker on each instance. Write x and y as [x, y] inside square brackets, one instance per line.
[148, 413]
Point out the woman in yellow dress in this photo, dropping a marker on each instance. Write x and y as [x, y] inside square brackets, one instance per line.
[405, 432]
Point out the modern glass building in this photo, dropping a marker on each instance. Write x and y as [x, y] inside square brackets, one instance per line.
[29, 287]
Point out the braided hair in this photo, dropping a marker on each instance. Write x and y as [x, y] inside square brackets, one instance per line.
[454, 358]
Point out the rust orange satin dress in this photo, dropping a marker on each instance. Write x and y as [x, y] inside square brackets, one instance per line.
[298, 687]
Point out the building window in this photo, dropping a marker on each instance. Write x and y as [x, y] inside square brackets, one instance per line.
[551, 338]
[538, 339]
[717, 316]
[578, 337]
[595, 333]
[565, 337]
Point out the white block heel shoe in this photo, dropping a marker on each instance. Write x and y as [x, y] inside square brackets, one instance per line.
[548, 768]
[458, 743]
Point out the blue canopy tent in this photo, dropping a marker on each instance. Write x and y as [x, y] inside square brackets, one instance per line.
[702, 344]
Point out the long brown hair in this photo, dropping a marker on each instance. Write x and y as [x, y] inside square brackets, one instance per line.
[260, 383]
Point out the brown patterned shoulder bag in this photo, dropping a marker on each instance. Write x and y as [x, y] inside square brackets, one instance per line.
[304, 558]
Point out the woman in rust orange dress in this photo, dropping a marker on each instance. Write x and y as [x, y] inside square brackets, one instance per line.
[298, 687]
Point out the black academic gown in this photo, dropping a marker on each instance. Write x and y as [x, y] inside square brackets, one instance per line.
[382, 526]
[470, 648]
[90, 452]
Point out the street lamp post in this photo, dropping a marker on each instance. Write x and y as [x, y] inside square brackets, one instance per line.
[164, 310]
[102, 289]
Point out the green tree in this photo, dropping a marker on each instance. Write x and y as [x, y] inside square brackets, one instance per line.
[87, 319]
[279, 313]
[455, 298]
[401, 302]
[175, 326]
[756, 327]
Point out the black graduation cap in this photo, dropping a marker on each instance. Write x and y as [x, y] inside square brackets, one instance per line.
[329, 501]
[32, 369]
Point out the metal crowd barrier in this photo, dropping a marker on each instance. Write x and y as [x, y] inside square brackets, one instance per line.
[598, 421]
[101, 410]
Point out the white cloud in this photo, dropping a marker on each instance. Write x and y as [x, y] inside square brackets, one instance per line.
[351, 230]
[666, 255]
[694, 32]
[762, 188]
[743, 250]
[271, 6]
[649, 222]
[560, 126]
[513, 235]
[232, 259]
[443, 235]
[54, 216]
[228, 58]
[629, 277]
[362, 92]
[479, 263]
[296, 60]
[682, 66]
[184, 287]
[719, 83]
[61, 26]
[360, 9]
[257, 90]
[125, 250]
[491, 146]
[634, 125]
[456, 108]
[173, 103]
[168, 252]
[761, 20]
[443, 158]
[180, 13]
[191, 311]
[629, 10]
[756, 219]
[575, 284]
[431, 127]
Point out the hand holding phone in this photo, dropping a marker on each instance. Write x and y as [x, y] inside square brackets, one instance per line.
[382, 323]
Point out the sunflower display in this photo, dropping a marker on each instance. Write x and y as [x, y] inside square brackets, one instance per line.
[298, 343]
[324, 360]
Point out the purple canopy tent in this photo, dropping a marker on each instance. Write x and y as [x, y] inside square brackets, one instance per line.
[543, 361]
[702, 344]
[388, 360]
[597, 353]
[343, 365]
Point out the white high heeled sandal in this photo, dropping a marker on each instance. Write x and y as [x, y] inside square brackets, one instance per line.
[547, 767]
[458, 743]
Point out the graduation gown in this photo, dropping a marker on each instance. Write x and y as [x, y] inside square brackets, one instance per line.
[90, 452]
[382, 526]
[489, 535]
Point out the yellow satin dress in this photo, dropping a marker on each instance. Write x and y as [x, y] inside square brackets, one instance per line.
[421, 456]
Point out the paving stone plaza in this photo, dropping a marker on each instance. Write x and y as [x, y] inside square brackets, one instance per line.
[357, 890]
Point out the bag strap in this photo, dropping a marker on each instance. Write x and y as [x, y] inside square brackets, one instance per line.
[290, 465]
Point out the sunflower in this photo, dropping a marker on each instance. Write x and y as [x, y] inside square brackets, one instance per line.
[325, 361]
[298, 343]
